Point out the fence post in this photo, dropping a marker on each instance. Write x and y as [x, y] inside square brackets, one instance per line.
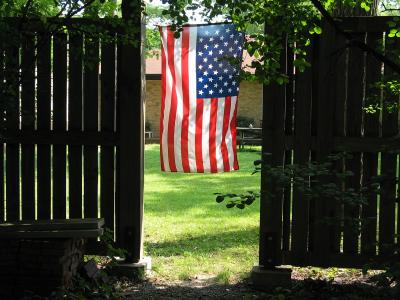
[266, 275]
[131, 84]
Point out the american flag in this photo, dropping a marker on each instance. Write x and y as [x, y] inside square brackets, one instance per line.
[200, 90]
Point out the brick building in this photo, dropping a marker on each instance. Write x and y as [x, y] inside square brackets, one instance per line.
[250, 97]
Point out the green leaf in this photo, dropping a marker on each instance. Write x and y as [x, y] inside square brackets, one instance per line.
[317, 29]
[219, 199]
[391, 24]
[240, 206]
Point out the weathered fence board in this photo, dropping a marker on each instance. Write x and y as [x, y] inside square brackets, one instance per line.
[354, 123]
[388, 168]
[28, 124]
[43, 123]
[75, 124]
[59, 123]
[302, 145]
[108, 105]
[12, 123]
[370, 160]
[2, 116]
[90, 101]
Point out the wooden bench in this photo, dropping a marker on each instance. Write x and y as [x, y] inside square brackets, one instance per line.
[249, 136]
[40, 256]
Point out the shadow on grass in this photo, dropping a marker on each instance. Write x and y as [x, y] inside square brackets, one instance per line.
[203, 244]
[301, 290]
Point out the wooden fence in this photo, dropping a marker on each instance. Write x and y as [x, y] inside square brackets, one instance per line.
[320, 112]
[72, 143]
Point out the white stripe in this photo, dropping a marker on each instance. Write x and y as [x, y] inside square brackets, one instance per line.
[218, 134]
[167, 104]
[229, 137]
[192, 99]
[179, 103]
[206, 135]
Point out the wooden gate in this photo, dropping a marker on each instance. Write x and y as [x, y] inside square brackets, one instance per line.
[320, 112]
[73, 134]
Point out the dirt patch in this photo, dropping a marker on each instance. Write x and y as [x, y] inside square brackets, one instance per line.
[308, 284]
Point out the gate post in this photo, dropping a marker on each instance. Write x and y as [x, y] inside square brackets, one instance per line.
[131, 91]
[266, 275]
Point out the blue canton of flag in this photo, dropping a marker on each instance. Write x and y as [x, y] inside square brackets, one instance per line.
[217, 46]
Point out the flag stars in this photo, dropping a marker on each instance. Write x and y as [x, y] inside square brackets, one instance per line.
[201, 92]
[215, 72]
[220, 78]
[216, 85]
[210, 79]
[220, 91]
[216, 46]
[221, 51]
[206, 46]
[206, 86]
[200, 79]
[211, 39]
[211, 92]
[205, 59]
[210, 66]
[210, 53]
[200, 53]
[205, 73]
[200, 67]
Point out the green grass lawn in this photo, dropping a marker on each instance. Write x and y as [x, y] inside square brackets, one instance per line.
[187, 233]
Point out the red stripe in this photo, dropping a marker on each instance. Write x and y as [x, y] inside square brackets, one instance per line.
[225, 126]
[233, 132]
[199, 136]
[163, 91]
[172, 113]
[212, 134]
[185, 95]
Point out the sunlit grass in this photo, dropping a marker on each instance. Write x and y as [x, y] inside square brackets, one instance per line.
[187, 233]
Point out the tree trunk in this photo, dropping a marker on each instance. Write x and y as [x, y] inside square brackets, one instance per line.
[343, 10]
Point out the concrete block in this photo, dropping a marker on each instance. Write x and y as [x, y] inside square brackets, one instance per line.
[135, 271]
[268, 279]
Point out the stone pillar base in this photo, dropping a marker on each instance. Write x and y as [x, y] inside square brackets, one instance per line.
[267, 279]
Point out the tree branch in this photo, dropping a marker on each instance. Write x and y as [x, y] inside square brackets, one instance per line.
[354, 42]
